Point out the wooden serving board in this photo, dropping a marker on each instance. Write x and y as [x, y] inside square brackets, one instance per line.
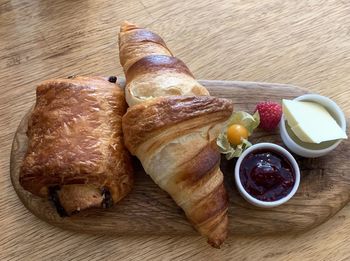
[324, 188]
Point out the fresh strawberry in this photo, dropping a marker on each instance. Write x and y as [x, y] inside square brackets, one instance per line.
[270, 114]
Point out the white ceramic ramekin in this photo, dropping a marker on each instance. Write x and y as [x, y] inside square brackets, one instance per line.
[318, 150]
[282, 151]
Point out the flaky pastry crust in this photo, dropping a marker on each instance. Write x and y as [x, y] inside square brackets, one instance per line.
[76, 152]
[171, 126]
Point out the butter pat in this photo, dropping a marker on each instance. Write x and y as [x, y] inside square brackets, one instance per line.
[311, 122]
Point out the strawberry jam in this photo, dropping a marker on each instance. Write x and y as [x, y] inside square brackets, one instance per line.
[267, 175]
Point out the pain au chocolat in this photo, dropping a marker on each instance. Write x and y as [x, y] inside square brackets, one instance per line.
[76, 155]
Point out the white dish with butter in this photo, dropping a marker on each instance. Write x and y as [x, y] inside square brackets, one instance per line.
[309, 136]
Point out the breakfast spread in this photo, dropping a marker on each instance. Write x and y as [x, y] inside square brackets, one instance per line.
[80, 134]
[267, 175]
[311, 122]
[316, 119]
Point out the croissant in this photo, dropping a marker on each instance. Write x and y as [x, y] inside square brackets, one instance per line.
[76, 154]
[171, 126]
[150, 69]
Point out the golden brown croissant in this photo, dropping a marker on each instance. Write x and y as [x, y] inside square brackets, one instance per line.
[151, 70]
[173, 132]
[76, 154]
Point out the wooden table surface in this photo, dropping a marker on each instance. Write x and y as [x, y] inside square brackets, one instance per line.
[306, 43]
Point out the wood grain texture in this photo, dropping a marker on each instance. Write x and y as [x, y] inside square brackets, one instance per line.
[305, 43]
[324, 189]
